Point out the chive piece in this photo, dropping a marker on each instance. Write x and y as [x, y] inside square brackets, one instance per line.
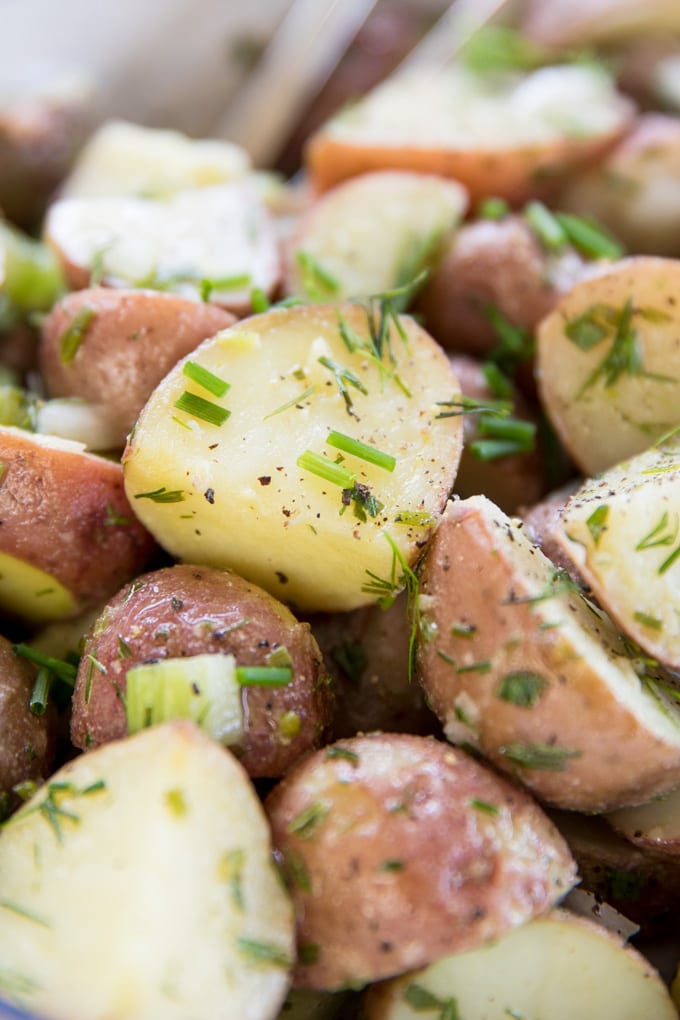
[291, 403]
[485, 807]
[669, 561]
[259, 302]
[356, 448]
[502, 437]
[392, 864]
[308, 821]
[231, 870]
[522, 688]
[653, 622]
[421, 1000]
[351, 658]
[597, 523]
[483, 666]
[338, 752]
[493, 209]
[588, 238]
[546, 757]
[73, 336]
[207, 286]
[501, 48]
[210, 382]
[343, 376]
[324, 468]
[199, 407]
[414, 518]
[296, 871]
[162, 495]
[41, 691]
[20, 911]
[545, 226]
[264, 952]
[659, 535]
[263, 676]
[60, 667]
[498, 382]
[317, 281]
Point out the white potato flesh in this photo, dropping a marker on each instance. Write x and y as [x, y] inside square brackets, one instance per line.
[215, 234]
[608, 362]
[121, 158]
[556, 967]
[138, 884]
[622, 532]
[233, 496]
[655, 824]
[372, 233]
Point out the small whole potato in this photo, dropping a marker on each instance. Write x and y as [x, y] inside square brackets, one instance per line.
[399, 850]
[186, 610]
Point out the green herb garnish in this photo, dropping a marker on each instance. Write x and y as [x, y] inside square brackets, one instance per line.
[73, 336]
[263, 676]
[203, 377]
[162, 495]
[199, 407]
[361, 450]
[546, 757]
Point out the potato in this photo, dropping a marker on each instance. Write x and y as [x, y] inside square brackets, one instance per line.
[121, 158]
[605, 362]
[370, 234]
[215, 242]
[28, 740]
[557, 967]
[138, 883]
[622, 532]
[399, 850]
[58, 505]
[634, 191]
[238, 482]
[520, 666]
[566, 23]
[655, 825]
[540, 521]
[185, 611]
[515, 137]
[112, 347]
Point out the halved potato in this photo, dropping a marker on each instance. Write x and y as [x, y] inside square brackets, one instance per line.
[655, 825]
[557, 967]
[519, 665]
[322, 465]
[607, 361]
[69, 538]
[622, 532]
[399, 849]
[512, 136]
[138, 883]
[540, 520]
[215, 243]
[371, 234]
[112, 347]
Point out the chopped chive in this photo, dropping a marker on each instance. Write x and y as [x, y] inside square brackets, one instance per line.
[546, 757]
[308, 821]
[60, 667]
[522, 688]
[652, 622]
[207, 286]
[597, 523]
[337, 751]
[588, 238]
[259, 302]
[392, 864]
[199, 407]
[73, 336]
[263, 676]
[493, 209]
[318, 465]
[218, 387]
[484, 806]
[41, 691]
[497, 380]
[264, 952]
[414, 518]
[291, 403]
[362, 450]
[669, 561]
[546, 226]
[343, 376]
[162, 495]
[483, 666]
[494, 449]
[659, 535]
[20, 911]
[317, 281]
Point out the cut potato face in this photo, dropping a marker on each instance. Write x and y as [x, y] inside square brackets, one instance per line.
[519, 665]
[655, 825]
[204, 927]
[505, 136]
[622, 532]
[323, 465]
[556, 967]
[565, 23]
[370, 234]
[215, 242]
[607, 362]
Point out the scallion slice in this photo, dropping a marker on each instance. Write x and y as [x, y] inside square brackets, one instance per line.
[318, 465]
[588, 238]
[205, 378]
[199, 407]
[362, 450]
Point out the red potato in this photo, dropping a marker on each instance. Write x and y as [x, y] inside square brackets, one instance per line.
[540, 521]
[68, 537]
[567, 23]
[399, 850]
[652, 826]
[130, 339]
[185, 611]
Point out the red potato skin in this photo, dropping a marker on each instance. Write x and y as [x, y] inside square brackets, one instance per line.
[66, 513]
[462, 876]
[540, 520]
[132, 341]
[28, 740]
[187, 610]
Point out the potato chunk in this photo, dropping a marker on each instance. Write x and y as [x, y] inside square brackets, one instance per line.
[138, 883]
[254, 479]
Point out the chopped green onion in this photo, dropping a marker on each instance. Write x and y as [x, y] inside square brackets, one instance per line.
[291, 403]
[493, 209]
[588, 238]
[199, 407]
[263, 676]
[73, 336]
[224, 283]
[597, 522]
[60, 667]
[41, 691]
[497, 380]
[218, 387]
[324, 468]
[264, 952]
[546, 757]
[259, 302]
[162, 495]
[546, 226]
[317, 281]
[362, 450]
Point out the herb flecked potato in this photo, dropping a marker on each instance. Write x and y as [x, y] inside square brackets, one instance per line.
[399, 849]
[186, 610]
[307, 448]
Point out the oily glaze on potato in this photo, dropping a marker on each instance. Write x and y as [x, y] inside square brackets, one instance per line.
[251, 480]
[399, 849]
[187, 610]
[653, 826]
[69, 538]
[518, 664]
[112, 347]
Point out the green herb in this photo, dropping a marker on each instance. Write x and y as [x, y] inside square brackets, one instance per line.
[499, 48]
[295, 402]
[503, 437]
[317, 281]
[546, 757]
[498, 382]
[41, 691]
[421, 1000]
[203, 377]
[199, 407]
[65, 670]
[72, 337]
[545, 226]
[264, 952]
[385, 590]
[392, 864]
[296, 870]
[484, 666]
[624, 355]
[343, 377]
[289, 725]
[661, 534]
[522, 688]
[51, 806]
[669, 561]
[462, 404]
[207, 286]
[306, 824]
[588, 238]
[337, 752]
[176, 803]
[597, 523]
[259, 302]
[559, 583]
[363, 451]
[414, 518]
[592, 326]
[231, 870]
[124, 650]
[493, 209]
[484, 807]
[162, 495]
[351, 658]
[113, 518]
[324, 468]
[263, 676]
[515, 344]
[648, 621]
[14, 908]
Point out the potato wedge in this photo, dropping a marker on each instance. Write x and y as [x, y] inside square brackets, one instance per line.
[215, 242]
[138, 883]
[252, 481]
[57, 504]
[654, 825]
[515, 137]
[371, 234]
[399, 849]
[540, 521]
[607, 362]
[557, 967]
[519, 665]
[622, 532]
[112, 347]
